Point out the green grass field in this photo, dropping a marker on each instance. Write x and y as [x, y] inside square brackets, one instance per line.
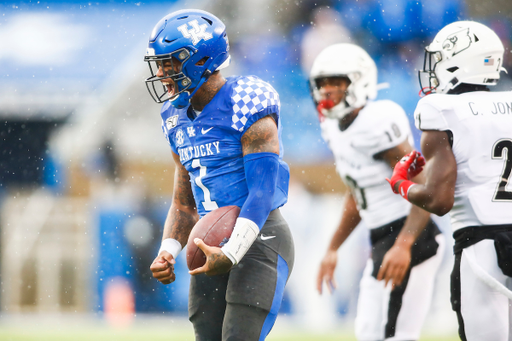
[160, 335]
[138, 334]
[84, 328]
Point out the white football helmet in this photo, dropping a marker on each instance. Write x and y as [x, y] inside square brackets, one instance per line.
[344, 60]
[462, 52]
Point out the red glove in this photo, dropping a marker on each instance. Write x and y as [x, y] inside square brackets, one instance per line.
[407, 168]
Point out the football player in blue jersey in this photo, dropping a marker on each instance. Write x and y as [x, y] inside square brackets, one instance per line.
[225, 136]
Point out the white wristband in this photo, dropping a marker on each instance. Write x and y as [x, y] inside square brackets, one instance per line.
[244, 234]
[172, 246]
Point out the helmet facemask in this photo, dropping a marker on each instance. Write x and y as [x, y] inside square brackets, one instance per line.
[326, 106]
[427, 76]
[172, 69]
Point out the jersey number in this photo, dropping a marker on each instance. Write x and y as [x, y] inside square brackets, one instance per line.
[208, 204]
[497, 153]
[358, 193]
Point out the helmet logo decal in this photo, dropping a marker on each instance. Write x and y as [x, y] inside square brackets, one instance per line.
[197, 33]
[457, 42]
[449, 43]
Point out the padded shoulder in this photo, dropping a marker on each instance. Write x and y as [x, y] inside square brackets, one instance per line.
[429, 112]
[252, 99]
[383, 125]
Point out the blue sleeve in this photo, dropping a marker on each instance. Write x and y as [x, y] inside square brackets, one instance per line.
[261, 170]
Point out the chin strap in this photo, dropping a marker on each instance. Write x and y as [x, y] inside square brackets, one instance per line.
[183, 99]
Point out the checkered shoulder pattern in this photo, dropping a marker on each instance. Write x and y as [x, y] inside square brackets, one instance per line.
[251, 95]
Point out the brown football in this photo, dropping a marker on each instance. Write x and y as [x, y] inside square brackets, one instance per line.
[214, 229]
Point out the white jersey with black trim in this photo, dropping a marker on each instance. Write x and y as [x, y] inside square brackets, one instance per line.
[379, 126]
[481, 124]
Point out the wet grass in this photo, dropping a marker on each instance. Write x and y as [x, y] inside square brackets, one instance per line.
[8, 334]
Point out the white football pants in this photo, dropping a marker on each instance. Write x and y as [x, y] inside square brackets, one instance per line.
[487, 312]
[375, 299]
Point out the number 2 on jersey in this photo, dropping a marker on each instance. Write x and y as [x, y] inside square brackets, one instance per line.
[503, 149]
[208, 204]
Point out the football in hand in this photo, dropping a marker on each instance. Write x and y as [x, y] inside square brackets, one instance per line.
[214, 229]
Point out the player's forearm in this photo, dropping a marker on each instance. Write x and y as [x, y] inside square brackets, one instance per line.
[342, 233]
[415, 222]
[260, 145]
[182, 214]
[431, 190]
[261, 170]
[179, 223]
[434, 200]
[414, 225]
[349, 221]
[437, 193]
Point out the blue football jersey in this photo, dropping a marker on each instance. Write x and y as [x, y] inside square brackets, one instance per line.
[210, 147]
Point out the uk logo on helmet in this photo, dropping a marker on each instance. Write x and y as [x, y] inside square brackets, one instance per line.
[197, 33]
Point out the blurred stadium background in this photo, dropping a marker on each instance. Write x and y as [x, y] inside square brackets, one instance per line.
[86, 177]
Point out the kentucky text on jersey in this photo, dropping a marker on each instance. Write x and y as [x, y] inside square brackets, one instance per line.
[194, 152]
[209, 145]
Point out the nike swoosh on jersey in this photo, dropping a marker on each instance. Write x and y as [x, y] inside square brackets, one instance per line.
[205, 131]
[263, 237]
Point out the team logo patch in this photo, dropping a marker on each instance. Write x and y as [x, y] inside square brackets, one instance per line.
[180, 137]
[171, 122]
[196, 33]
[191, 131]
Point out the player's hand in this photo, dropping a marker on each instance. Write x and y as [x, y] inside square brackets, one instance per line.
[216, 261]
[163, 268]
[395, 265]
[416, 166]
[406, 169]
[326, 272]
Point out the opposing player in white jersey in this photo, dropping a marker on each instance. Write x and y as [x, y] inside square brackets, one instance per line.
[368, 137]
[467, 142]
